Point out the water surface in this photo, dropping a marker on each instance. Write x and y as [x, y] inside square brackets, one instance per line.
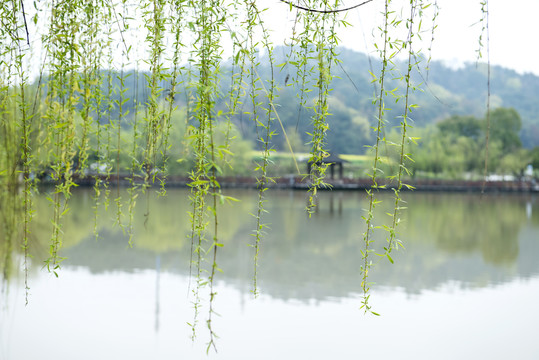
[466, 285]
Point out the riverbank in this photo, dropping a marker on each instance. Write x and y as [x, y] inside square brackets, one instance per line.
[296, 182]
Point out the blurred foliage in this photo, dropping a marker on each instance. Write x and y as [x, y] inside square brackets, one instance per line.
[472, 239]
[447, 92]
[455, 147]
[449, 120]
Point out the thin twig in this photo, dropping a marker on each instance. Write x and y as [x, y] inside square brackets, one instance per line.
[325, 11]
[487, 135]
[25, 24]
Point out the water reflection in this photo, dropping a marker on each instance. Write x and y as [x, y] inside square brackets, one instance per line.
[474, 240]
[469, 271]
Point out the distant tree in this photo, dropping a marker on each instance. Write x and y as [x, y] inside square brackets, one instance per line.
[534, 157]
[467, 126]
[514, 162]
[505, 125]
[294, 139]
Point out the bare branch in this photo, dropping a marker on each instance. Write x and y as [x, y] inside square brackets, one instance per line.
[25, 24]
[325, 11]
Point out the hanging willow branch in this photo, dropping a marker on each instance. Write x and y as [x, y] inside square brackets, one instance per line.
[325, 42]
[485, 30]
[392, 241]
[369, 217]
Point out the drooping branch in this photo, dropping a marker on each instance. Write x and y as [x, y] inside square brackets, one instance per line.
[485, 19]
[324, 11]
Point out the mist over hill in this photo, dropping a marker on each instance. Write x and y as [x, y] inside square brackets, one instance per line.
[443, 92]
[440, 92]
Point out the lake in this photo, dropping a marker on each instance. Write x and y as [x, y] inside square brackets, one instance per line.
[466, 285]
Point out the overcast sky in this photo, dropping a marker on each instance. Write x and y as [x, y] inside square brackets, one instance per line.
[513, 42]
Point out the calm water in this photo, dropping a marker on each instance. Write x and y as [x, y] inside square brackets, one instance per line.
[465, 287]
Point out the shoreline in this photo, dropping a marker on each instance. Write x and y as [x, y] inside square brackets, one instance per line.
[296, 182]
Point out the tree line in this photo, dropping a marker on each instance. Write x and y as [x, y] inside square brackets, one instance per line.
[449, 147]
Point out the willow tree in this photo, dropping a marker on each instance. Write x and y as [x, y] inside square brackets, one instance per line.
[71, 72]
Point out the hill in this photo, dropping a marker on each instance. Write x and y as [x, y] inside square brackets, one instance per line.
[444, 91]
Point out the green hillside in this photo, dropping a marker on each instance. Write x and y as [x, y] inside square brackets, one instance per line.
[442, 92]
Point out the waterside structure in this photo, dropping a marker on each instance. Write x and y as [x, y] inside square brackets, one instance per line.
[298, 182]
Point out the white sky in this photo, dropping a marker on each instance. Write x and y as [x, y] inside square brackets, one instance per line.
[511, 23]
[512, 31]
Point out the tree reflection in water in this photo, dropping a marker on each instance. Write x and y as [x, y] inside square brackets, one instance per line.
[467, 238]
